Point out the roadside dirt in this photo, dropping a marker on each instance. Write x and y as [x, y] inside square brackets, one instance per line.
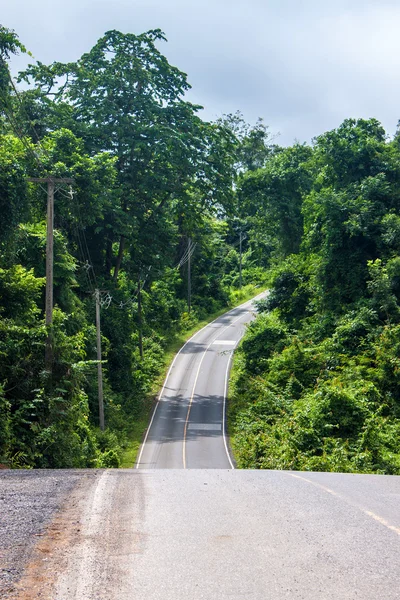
[45, 554]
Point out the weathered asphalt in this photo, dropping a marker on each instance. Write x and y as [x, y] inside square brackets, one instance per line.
[188, 425]
[29, 500]
[221, 534]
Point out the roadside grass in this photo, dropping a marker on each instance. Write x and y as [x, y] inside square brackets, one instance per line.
[137, 429]
[233, 404]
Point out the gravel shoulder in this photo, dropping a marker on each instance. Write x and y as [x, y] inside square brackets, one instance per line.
[29, 503]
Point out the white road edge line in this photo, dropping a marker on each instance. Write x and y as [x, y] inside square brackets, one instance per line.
[350, 502]
[170, 369]
[224, 407]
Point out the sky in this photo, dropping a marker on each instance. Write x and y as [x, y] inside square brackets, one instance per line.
[303, 66]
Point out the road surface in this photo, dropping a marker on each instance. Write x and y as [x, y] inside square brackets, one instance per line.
[218, 535]
[188, 426]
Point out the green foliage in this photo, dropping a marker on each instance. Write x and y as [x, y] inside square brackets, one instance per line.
[291, 292]
[265, 336]
[253, 144]
[380, 286]
[9, 44]
[13, 196]
[316, 380]
[272, 197]
[148, 175]
[317, 374]
[5, 423]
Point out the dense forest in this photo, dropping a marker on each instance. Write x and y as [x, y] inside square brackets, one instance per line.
[156, 189]
[316, 383]
[153, 190]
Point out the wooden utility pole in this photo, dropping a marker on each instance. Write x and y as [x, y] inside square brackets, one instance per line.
[189, 283]
[240, 261]
[51, 182]
[99, 367]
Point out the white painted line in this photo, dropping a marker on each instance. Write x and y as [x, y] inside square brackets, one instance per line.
[171, 367]
[189, 408]
[162, 391]
[205, 426]
[225, 342]
[367, 512]
[224, 409]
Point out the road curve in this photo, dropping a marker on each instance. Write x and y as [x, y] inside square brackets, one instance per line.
[187, 429]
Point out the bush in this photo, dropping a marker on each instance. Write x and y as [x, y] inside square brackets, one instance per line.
[264, 336]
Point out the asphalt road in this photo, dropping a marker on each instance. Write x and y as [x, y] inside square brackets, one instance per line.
[220, 535]
[187, 429]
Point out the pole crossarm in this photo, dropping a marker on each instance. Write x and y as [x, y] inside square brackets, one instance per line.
[50, 179]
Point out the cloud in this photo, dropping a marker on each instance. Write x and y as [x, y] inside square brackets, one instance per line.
[302, 65]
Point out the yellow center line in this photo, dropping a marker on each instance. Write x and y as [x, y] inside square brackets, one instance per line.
[194, 387]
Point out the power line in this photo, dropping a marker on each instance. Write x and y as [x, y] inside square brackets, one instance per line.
[22, 137]
[82, 241]
[18, 96]
[187, 254]
[133, 298]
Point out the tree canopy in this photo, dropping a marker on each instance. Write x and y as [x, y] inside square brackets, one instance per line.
[316, 385]
[153, 184]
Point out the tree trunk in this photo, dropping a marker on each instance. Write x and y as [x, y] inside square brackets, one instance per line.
[140, 323]
[119, 258]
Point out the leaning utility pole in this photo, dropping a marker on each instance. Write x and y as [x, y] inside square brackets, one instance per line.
[99, 367]
[51, 182]
[189, 283]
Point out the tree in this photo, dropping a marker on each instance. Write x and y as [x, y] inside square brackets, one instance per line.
[254, 144]
[273, 197]
[124, 98]
[9, 44]
[356, 179]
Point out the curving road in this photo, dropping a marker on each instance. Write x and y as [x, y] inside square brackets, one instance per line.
[187, 430]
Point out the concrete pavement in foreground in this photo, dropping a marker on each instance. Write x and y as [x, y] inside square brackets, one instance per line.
[219, 535]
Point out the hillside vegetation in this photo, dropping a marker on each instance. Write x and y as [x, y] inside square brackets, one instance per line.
[153, 190]
[317, 376]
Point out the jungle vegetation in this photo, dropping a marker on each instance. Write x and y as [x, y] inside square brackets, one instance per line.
[316, 377]
[153, 184]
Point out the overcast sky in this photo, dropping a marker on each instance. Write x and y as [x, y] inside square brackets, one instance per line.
[301, 65]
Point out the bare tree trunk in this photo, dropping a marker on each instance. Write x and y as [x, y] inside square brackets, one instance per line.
[119, 258]
[140, 322]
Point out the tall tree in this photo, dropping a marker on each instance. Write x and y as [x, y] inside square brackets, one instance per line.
[125, 98]
[273, 196]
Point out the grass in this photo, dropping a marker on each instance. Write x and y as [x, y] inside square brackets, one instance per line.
[138, 428]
